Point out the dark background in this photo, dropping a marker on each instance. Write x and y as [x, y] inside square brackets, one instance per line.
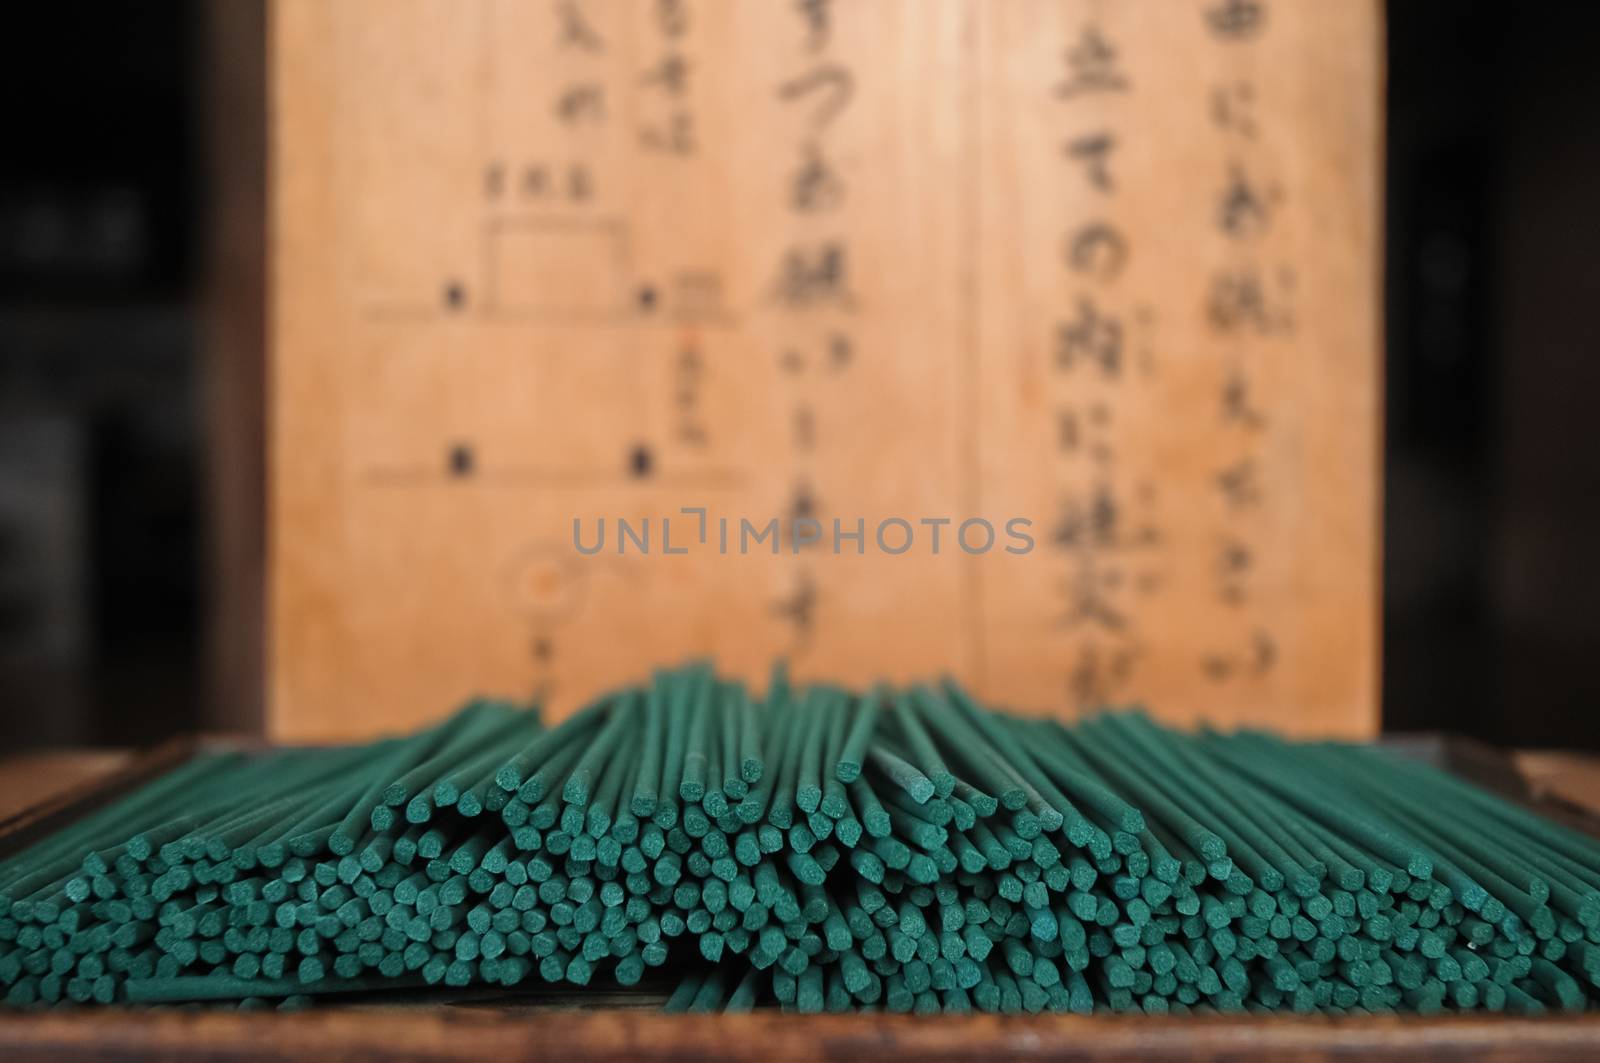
[1492, 506]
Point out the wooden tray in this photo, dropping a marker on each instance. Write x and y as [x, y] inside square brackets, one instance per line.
[573, 1025]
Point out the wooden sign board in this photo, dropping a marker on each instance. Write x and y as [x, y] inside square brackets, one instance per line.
[1053, 323]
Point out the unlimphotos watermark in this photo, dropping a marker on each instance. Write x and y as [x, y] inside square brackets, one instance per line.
[893, 536]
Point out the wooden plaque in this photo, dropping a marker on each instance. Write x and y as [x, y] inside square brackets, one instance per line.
[1089, 291]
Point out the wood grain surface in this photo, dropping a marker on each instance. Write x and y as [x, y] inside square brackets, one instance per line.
[1110, 268]
[572, 1035]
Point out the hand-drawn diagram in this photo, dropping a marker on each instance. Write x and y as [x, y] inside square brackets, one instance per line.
[547, 261]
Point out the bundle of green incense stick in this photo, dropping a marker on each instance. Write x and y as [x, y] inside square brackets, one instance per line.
[816, 849]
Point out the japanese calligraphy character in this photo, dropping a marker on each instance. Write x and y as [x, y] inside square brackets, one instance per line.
[1217, 667]
[675, 137]
[1075, 428]
[690, 369]
[582, 102]
[1236, 19]
[815, 275]
[1091, 336]
[803, 503]
[834, 81]
[1098, 250]
[1264, 651]
[1237, 301]
[1236, 405]
[1091, 66]
[803, 507]
[1235, 558]
[576, 32]
[805, 428]
[1088, 594]
[1240, 484]
[691, 364]
[672, 16]
[580, 183]
[1098, 673]
[1243, 210]
[818, 15]
[1094, 151]
[1257, 660]
[1233, 108]
[671, 74]
[841, 351]
[1094, 524]
[1068, 434]
[799, 606]
[1099, 520]
[816, 185]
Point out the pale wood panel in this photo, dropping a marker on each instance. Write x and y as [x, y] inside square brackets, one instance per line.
[1206, 603]
[527, 269]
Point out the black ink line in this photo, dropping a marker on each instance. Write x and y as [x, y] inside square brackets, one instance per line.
[544, 477]
[536, 222]
[670, 319]
[709, 479]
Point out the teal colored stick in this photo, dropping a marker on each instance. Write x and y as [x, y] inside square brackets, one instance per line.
[752, 763]
[580, 784]
[863, 723]
[647, 787]
[734, 721]
[369, 793]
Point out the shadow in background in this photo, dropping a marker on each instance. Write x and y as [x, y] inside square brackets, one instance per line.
[1493, 484]
[99, 442]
